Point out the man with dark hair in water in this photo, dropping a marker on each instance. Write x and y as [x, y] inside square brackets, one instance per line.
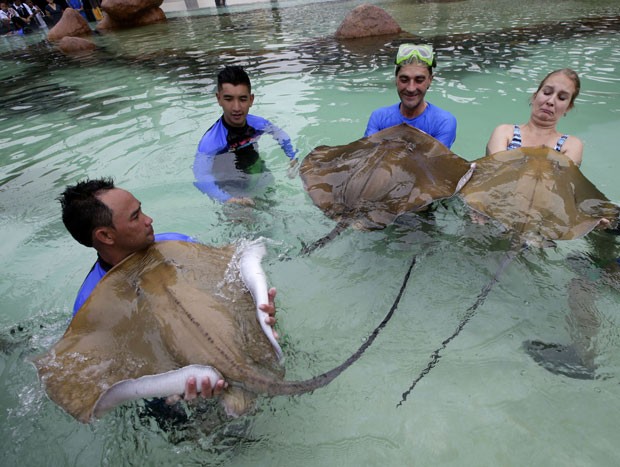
[227, 162]
[109, 219]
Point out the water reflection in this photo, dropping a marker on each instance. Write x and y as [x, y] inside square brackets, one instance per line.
[193, 67]
[136, 109]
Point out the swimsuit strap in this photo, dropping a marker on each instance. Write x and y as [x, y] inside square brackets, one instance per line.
[560, 143]
[516, 138]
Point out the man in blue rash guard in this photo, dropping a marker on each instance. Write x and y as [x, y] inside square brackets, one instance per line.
[227, 160]
[100, 269]
[109, 219]
[414, 74]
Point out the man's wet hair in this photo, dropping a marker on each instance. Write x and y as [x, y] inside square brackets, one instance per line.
[235, 75]
[83, 212]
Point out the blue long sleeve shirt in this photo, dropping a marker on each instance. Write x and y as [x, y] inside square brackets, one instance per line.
[223, 141]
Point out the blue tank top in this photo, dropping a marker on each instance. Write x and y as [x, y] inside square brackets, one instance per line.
[516, 140]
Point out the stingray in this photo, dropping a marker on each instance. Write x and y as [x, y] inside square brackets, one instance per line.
[171, 311]
[368, 183]
[537, 195]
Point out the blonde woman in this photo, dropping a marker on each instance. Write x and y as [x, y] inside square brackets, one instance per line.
[553, 99]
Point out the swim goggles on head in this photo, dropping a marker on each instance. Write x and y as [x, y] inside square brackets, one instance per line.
[412, 52]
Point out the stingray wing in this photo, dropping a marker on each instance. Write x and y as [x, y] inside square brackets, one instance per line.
[159, 310]
[538, 193]
[373, 180]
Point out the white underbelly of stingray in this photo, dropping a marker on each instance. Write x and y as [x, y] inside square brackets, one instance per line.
[161, 385]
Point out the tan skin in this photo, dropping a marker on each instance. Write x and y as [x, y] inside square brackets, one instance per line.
[551, 103]
[412, 82]
[133, 231]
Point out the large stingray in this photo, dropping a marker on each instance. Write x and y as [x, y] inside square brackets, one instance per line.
[166, 313]
[370, 182]
[539, 196]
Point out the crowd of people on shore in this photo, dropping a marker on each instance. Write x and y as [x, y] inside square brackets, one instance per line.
[26, 16]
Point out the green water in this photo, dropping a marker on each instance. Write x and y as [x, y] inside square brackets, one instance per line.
[136, 110]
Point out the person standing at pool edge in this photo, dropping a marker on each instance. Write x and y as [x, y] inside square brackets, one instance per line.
[414, 75]
[230, 145]
[553, 99]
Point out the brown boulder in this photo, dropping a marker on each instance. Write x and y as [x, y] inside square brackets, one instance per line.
[119, 14]
[119, 9]
[75, 45]
[367, 20]
[71, 24]
[144, 18]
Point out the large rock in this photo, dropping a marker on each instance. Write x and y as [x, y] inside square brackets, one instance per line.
[75, 45]
[367, 20]
[119, 14]
[72, 24]
[128, 8]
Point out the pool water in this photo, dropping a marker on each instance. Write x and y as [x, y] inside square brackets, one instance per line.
[136, 109]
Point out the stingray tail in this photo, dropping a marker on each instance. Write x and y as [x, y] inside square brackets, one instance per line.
[321, 242]
[508, 258]
[299, 387]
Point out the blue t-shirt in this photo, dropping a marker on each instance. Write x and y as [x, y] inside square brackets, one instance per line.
[238, 144]
[100, 269]
[438, 123]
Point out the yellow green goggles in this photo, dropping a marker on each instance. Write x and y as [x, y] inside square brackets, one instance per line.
[408, 53]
